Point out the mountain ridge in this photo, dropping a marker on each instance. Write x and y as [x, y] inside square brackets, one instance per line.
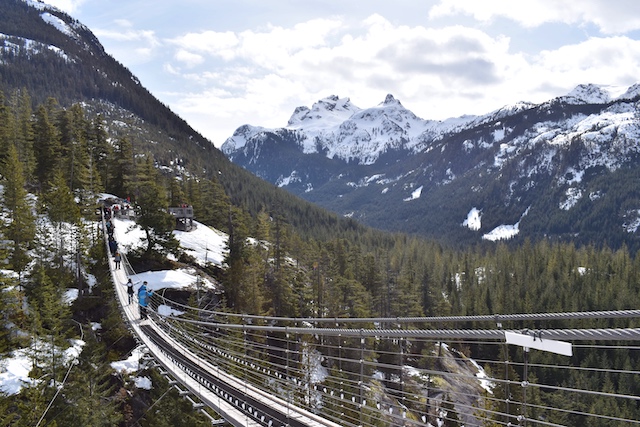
[380, 160]
[47, 54]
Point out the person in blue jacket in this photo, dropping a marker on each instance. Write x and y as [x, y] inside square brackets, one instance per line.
[143, 299]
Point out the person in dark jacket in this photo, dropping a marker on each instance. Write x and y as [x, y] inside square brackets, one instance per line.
[113, 245]
[143, 300]
[130, 290]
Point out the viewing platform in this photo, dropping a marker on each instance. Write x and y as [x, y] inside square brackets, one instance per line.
[184, 217]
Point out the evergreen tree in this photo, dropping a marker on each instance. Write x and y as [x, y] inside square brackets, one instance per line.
[12, 316]
[21, 228]
[450, 417]
[8, 415]
[6, 127]
[100, 155]
[194, 195]
[172, 411]
[280, 278]
[371, 279]
[122, 182]
[408, 303]
[32, 404]
[45, 298]
[251, 294]
[263, 228]
[47, 148]
[72, 127]
[153, 217]
[60, 203]
[176, 195]
[64, 213]
[236, 254]
[210, 203]
[23, 132]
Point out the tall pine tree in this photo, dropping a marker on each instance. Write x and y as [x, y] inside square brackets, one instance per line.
[47, 148]
[123, 170]
[23, 133]
[154, 218]
[6, 127]
[21, 227]
[100, 155]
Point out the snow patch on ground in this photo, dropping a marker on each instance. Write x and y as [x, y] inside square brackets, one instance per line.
[632, 221]
[573, 196]
[504, 232]
[173, 279]
[473, 221]
[14, 369]
[143, 382]
[415, 194]
[132, 363]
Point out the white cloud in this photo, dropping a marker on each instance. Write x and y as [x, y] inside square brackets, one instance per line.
[145, 36]
[222, 44]
[258, 72]
[125, 23]
[597, 60]
[133, 46]
[171, 69]
[326, 54]
[259, 77]
[265, 47]
[624, 17]
[189, 59]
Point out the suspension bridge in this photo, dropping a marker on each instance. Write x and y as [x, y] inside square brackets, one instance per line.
[276, 372]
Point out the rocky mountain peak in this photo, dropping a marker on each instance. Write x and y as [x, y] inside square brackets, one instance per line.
[590, 94]
[332, 108]
[390, 100]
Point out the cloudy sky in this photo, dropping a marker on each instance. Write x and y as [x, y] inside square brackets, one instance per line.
[222, 63]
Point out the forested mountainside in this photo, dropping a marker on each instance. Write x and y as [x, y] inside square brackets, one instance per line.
[51, 55]
[566, 169]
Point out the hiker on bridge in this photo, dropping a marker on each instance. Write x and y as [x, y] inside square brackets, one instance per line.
[130, 292]
[143, 300]
[113, 245]
[110, 228]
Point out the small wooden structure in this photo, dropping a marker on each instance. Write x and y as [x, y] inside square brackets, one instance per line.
[184, 217]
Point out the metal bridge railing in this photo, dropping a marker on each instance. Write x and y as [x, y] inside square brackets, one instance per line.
[363, 372]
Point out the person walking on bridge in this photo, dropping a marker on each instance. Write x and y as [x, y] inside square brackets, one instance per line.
[130, 286]
[143, 300]
[113, 245]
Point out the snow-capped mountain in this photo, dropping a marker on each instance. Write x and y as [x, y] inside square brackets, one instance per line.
[525, 170]
[343, 131]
